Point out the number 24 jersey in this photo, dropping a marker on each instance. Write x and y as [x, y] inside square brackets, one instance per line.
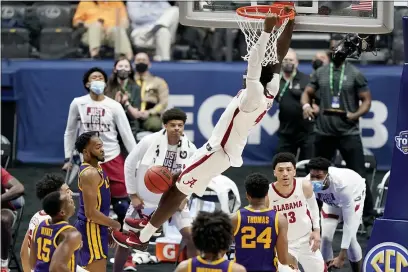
[255, 239]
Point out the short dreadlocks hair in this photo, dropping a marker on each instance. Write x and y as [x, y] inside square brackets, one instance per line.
[83, 140]
[49, 183]
[212, 232]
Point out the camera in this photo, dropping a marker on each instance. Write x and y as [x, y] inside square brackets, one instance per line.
[353, 45]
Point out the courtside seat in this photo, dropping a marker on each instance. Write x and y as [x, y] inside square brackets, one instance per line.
[56, 43]
[15, 43]
[14, 37]
[56, 39]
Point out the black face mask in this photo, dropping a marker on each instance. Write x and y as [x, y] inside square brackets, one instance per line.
[141, 67]
[122, 74]
[317, 64]
[288, 67]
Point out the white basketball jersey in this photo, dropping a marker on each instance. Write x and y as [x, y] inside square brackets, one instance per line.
[233, 128]
[37, 218]
[294, 207]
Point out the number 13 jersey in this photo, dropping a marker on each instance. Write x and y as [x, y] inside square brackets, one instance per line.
[255, 239]
[294, 207]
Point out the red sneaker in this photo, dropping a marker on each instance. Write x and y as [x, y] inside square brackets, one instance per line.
[129, 265]
[136, 225]
[120, 238]
[129, 239]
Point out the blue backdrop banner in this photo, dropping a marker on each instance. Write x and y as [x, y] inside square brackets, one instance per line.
[45, 89]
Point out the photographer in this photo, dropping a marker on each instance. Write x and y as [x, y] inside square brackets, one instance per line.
[340, 87]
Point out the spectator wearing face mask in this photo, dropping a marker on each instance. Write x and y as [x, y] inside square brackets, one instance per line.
[123, 88]
[294, 131]
[321, 58]
[154, 94]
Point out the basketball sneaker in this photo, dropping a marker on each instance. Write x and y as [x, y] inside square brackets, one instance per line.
[136, 225]
[129, 239]
[129, 265]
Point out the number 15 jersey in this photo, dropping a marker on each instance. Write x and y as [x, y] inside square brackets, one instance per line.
[46, 238]
[255, 239]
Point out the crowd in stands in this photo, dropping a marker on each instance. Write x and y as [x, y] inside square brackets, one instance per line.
[106, 29]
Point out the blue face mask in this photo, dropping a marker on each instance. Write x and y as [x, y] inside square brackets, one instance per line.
[97, 87]
[317, 185]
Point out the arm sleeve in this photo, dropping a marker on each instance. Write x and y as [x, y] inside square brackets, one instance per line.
[71, 129]
[314, 211]
[123, 126]
[251, 98]
[351, 223]
[132, 163]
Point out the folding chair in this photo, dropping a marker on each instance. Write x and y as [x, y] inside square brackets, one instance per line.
[14, 263]
[5, 151]
[382, 190]
[301, 167]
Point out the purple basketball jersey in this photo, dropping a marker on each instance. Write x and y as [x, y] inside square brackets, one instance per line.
[46, 235]
[255, 239]
[198, 264]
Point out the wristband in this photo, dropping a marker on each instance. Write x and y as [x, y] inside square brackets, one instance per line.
[306, 106]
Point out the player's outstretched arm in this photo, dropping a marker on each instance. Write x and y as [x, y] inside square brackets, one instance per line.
[257, 52]
[71, 241]
[284, 40]
[89, 182]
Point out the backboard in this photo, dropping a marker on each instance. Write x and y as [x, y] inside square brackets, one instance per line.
[364, 16]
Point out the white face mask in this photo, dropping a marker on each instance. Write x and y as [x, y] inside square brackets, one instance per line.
[97, 86]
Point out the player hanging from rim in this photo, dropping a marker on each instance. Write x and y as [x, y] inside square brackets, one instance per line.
[94, 204]
[227, 142]
[48, 184]
[55, 242]
[168, 147]
[342, 192]
[294, 198]
[212, 236]
[259, 230]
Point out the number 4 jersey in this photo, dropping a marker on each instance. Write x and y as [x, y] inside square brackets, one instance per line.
[255, 239]
[294, 207]
[46, 238]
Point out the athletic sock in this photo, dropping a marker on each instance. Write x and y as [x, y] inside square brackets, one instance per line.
[147, 233]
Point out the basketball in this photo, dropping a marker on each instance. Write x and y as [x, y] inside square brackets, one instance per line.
[158, 179]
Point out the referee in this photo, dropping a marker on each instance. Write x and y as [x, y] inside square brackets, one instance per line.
[341, 87]
[294, 131]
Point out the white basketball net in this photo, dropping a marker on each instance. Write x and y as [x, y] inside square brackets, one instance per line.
[252, 28]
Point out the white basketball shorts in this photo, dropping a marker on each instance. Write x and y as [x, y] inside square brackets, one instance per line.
[309, 260]
[203, 167]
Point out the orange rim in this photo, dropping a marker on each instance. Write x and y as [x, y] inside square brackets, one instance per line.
[274, 8]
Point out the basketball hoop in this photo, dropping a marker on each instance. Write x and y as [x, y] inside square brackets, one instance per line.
[251, 21]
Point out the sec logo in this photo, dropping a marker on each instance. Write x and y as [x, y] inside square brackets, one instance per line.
[386, 257]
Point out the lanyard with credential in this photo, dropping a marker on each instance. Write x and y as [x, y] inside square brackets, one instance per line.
[340, 81]
[285, 87]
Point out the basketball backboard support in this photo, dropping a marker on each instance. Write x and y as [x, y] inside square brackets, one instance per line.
[364, 16]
